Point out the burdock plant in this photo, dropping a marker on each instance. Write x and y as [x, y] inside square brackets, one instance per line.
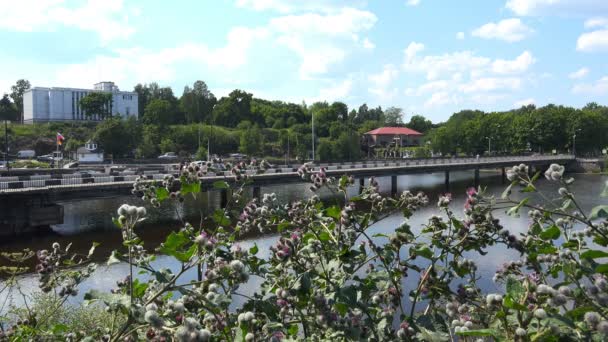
[328, 277]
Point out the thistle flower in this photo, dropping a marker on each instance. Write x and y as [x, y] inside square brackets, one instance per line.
[592, 318]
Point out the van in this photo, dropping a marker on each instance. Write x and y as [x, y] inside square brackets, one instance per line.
[26, 154]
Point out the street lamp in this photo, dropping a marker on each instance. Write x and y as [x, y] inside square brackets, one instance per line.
[489, 145]
[574, 142]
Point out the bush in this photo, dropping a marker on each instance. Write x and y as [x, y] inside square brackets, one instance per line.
[328, 278]
[29, 164]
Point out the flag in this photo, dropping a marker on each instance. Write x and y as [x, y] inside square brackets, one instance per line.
[60, 138]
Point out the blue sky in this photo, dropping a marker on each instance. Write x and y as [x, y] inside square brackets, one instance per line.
[430, 57]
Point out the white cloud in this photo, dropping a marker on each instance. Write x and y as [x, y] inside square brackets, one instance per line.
[291, 6]
[436, 65]
[510, 30]
[596, 22]
[599, 87]
[412, 2]
[491, 84]
[580, 73]
[321, 40]
[460, 35]
[412, 50]
[441, 98]
[524, 102]
[557, 7]
[367, 44]
[339, 91]
[381, 82]
[593, 41]
[142, 65]
[108, 18]
[518, 65]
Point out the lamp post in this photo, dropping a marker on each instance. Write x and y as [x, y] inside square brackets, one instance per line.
[574, 142]
[8, 168]
[489, 146]
[312, 114]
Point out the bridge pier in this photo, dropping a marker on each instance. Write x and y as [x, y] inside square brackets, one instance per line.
[503, 177]
[23, 215]
[476, 178]
[223, 198]
[361, 184]
[393, 185]
[257, 192]
[447, 181]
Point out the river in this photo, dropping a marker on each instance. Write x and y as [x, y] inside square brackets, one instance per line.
[90, 221]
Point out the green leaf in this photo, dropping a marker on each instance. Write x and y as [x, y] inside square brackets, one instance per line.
[478, 332]
[551, 233]
[293, 330]
[254, 250]
[190, 187]
[579, 312]
[175, 246]
[593, 254]
[113, 259]
[511, 303]
[424, 252]
[603, 268]
[333, 212]
[342, 308]
[324, 236]
[599, 211]
[529, 188]
[507, 191]
[161, 193]
[59, 328]
[220, 185]
[219, 218]
[139, 289]
[515, 209]
[514, 288]
[92, 249]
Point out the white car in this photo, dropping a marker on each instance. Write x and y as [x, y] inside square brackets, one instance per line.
[168, 155]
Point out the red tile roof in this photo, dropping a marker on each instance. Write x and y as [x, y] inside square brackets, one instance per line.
[393, 131]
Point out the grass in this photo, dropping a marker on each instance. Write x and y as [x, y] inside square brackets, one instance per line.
[29, 164]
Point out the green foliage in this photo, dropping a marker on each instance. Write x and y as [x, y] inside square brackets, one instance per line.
[251, 141]
[8, 111]
[116, 136]
[17, 91]
[97, 105]
[320, 282]
[523, 130]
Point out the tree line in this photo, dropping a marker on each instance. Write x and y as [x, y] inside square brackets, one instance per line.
[197, 121]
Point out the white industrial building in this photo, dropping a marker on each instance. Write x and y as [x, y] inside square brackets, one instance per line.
[63, 104]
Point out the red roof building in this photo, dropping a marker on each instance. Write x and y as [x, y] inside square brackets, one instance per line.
[385, 136]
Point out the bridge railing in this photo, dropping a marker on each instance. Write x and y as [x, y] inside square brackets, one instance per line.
[17, 182]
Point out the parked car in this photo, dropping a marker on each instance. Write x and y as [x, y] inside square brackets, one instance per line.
[24, 154]
[238, 156]
[168, 155]
[71, 165]
[55, 156]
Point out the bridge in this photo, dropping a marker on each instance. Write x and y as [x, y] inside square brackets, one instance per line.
[29, 201]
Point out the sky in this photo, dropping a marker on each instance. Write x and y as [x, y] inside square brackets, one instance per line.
[429, 57]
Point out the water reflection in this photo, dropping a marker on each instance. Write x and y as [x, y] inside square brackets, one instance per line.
[88, 221]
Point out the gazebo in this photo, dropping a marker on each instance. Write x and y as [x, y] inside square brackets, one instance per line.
[401, 136]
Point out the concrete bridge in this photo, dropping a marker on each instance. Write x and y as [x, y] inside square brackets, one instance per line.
[29, 201]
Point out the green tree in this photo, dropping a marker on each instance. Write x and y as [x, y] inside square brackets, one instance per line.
[252, 141]
[8, 111]
[158, 112]
[232, 109]
[17, 92]
[97, 104]
[419, 123]
[114, 137]
[197, 102]
[393, 116]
